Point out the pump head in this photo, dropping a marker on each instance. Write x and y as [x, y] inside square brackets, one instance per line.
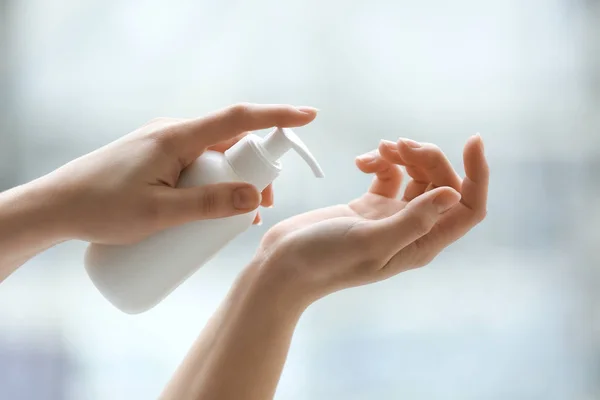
[280, 140]
[255, 159]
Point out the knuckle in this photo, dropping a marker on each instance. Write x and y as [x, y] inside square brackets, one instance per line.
[273, 235]
[433, 156]
[238, 112]
[420, 254]
[480, 215]
[270, 237]
[165, 140]
[155, 124]
[209, 203]
[423, 260]
[157, 120]
[161, 143]
[420, 223]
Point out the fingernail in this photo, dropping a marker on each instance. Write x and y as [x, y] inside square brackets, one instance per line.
[367, 157]
[259, 223]
[306, 109]
[245, 198]
[446, 200]
[389, 144]
[410, 143]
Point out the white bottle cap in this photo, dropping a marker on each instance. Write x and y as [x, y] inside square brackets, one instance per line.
[255, 160]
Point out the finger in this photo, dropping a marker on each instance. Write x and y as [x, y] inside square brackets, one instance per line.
[472, 209]
[431, 160]
[257, 220]
[267, 196]
[388, 176]
[389, 152]
[417, 185]
[414, 189]
[223, 146]
[225, 124]
[392, 234]
[419, 182]
[418, 174]
[475, 185]
[181, 205]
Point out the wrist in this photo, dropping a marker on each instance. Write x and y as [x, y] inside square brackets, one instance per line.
[281, 280]
[269, 278]
[35, 211]
[29, 224]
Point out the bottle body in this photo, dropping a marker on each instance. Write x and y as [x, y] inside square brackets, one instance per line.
[135, 278]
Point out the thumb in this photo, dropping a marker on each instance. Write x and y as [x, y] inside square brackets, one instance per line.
[416, 220]
[220, 200]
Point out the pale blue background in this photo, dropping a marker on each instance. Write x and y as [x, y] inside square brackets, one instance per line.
[510, 312]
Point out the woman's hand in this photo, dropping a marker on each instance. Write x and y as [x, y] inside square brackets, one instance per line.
[126, 191]
[241, 352]
[377, 235]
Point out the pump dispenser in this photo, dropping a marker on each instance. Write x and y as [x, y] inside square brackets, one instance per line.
[255, 159]
[279, 141]
[135, 278]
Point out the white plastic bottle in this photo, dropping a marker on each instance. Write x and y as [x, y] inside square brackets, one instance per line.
[135, 278]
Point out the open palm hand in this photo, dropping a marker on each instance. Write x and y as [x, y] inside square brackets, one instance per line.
[379, 235]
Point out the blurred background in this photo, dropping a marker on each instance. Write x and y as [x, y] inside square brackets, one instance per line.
[512, 311]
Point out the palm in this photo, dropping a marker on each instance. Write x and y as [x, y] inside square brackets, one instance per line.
[379, 202]
[374, 206]
[324, 232]
[368, 206]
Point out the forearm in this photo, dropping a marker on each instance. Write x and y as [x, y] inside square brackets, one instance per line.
[241, 352]
[30, 222]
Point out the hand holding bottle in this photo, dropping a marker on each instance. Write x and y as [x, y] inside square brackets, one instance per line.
[126, 191]
[377, 235]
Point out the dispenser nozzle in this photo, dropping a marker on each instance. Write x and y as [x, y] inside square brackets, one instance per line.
[280, 140]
